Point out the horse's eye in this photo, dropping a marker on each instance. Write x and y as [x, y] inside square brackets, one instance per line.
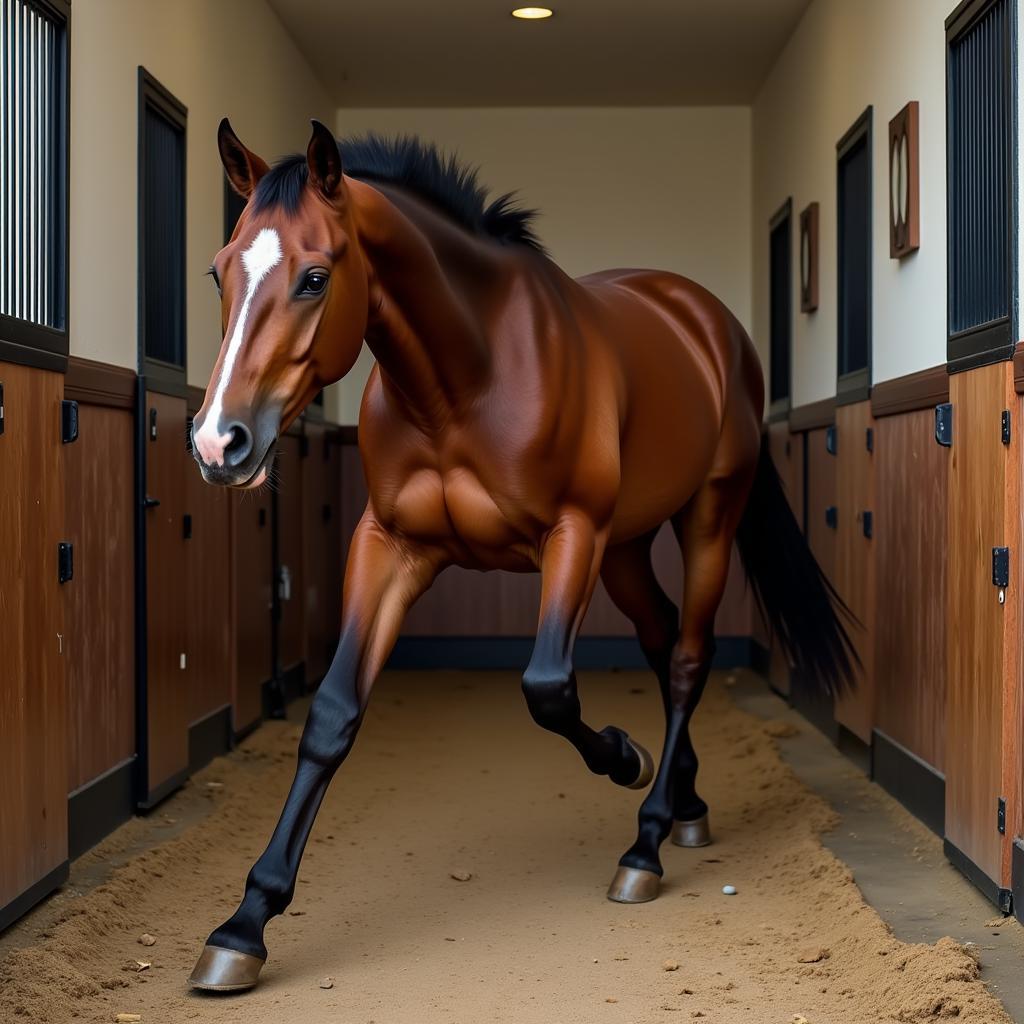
[314, 283]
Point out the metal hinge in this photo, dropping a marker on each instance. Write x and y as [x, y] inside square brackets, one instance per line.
[831, 440]
[65, 561]
[869, 439]
[1001, 815]
[831, 517]
[944, 424]
[186, 526]
[1, 408]
[152, 424]
[1006, 426]
[867, 520]
[68, 421]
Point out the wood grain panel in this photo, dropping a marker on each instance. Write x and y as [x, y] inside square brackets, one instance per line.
[167, 699]
[100, 642]
[912, 480]
[322, 567]
[289, 468]
[251, 557]
[787, 450]
[976, 639]
[208, 626]
[855, 559]
[33, 707]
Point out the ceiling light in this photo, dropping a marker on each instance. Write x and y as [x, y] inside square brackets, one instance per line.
[532, 13]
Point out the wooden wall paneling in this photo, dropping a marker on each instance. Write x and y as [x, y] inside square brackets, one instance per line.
[911, 481]
[321, 488]
[33, 708]
[289, 468]
[167, 597]
[253, 569]
[100, 641]
[855, 559]
[787, 451]
[977, 638]
[208, 621]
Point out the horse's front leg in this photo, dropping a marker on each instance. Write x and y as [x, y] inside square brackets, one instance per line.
[383, 578]
[570, 563]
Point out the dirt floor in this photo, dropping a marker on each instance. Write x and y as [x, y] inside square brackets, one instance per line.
[448, 777]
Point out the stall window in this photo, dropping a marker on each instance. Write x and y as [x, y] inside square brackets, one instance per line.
[981, 119]
[853, 203]
[780, 308]
[162, 346]
[34, 185]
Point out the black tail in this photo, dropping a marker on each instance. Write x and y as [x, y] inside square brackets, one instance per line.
[795, 597]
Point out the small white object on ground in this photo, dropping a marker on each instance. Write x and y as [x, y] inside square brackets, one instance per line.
[729, 890]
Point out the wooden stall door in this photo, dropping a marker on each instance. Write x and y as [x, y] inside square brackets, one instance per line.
[912, 475]
[855, 558]
[253, 569]
[33, 708]
[821, 536]
[982, 643]
[288, 523]
[321, 537]
[167, 597]
[787, 451]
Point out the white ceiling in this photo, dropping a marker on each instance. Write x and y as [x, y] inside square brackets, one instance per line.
[406, 53]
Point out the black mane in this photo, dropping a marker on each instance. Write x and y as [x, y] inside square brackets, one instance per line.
[421, 168]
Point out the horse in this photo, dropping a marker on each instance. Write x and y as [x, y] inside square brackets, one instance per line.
[516, 419]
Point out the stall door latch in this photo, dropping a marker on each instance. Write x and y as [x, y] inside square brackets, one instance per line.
[1001, 816]
[65, 562]
[944, 424]
[1001, 571]
[832, 440]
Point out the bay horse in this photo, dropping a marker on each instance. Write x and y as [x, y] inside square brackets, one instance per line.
[516, 419]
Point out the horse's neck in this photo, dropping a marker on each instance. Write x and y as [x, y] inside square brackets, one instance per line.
[430, 283]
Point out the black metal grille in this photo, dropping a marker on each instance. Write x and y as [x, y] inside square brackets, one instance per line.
[164, 238]
[854, 201]
[980, 150]
[33, 66]
[781, 308]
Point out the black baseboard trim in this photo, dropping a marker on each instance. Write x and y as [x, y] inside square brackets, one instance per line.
[992, 891]
[209, 738]
[161, 792]
[513, 652]
[1017, 878]
[854, 748]
[22, 904]
[818, 709]
[760, 658]
[100, 806]
[910, 780]
[250, 727]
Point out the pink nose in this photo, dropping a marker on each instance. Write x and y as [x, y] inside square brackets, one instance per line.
[232, 447]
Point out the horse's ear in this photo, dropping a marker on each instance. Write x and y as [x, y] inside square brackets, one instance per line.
[243, 168]
[324, 160]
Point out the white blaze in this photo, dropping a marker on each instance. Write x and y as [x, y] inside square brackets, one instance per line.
[258, 260]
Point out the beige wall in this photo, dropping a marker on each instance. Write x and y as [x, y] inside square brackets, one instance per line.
[843, 57]
[660, 187]
[218, 57]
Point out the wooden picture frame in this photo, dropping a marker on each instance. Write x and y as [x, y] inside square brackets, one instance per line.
[807, 261]
[904, 183]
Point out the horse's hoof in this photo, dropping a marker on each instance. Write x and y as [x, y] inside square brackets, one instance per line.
[634, 885]
[225, 970]
[642, 781]
[692, 833]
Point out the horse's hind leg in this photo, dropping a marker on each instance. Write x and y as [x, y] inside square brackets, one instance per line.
[706, 528]
[629, 578]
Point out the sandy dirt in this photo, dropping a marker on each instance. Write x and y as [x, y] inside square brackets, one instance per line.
[450, 776]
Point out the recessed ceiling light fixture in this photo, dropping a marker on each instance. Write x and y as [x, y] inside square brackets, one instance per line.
[532, 13]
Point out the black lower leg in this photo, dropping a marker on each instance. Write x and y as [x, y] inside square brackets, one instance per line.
[331, 726]
[552, 698]
[686, 683]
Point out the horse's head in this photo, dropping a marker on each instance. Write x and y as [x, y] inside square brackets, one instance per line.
[293, 288]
